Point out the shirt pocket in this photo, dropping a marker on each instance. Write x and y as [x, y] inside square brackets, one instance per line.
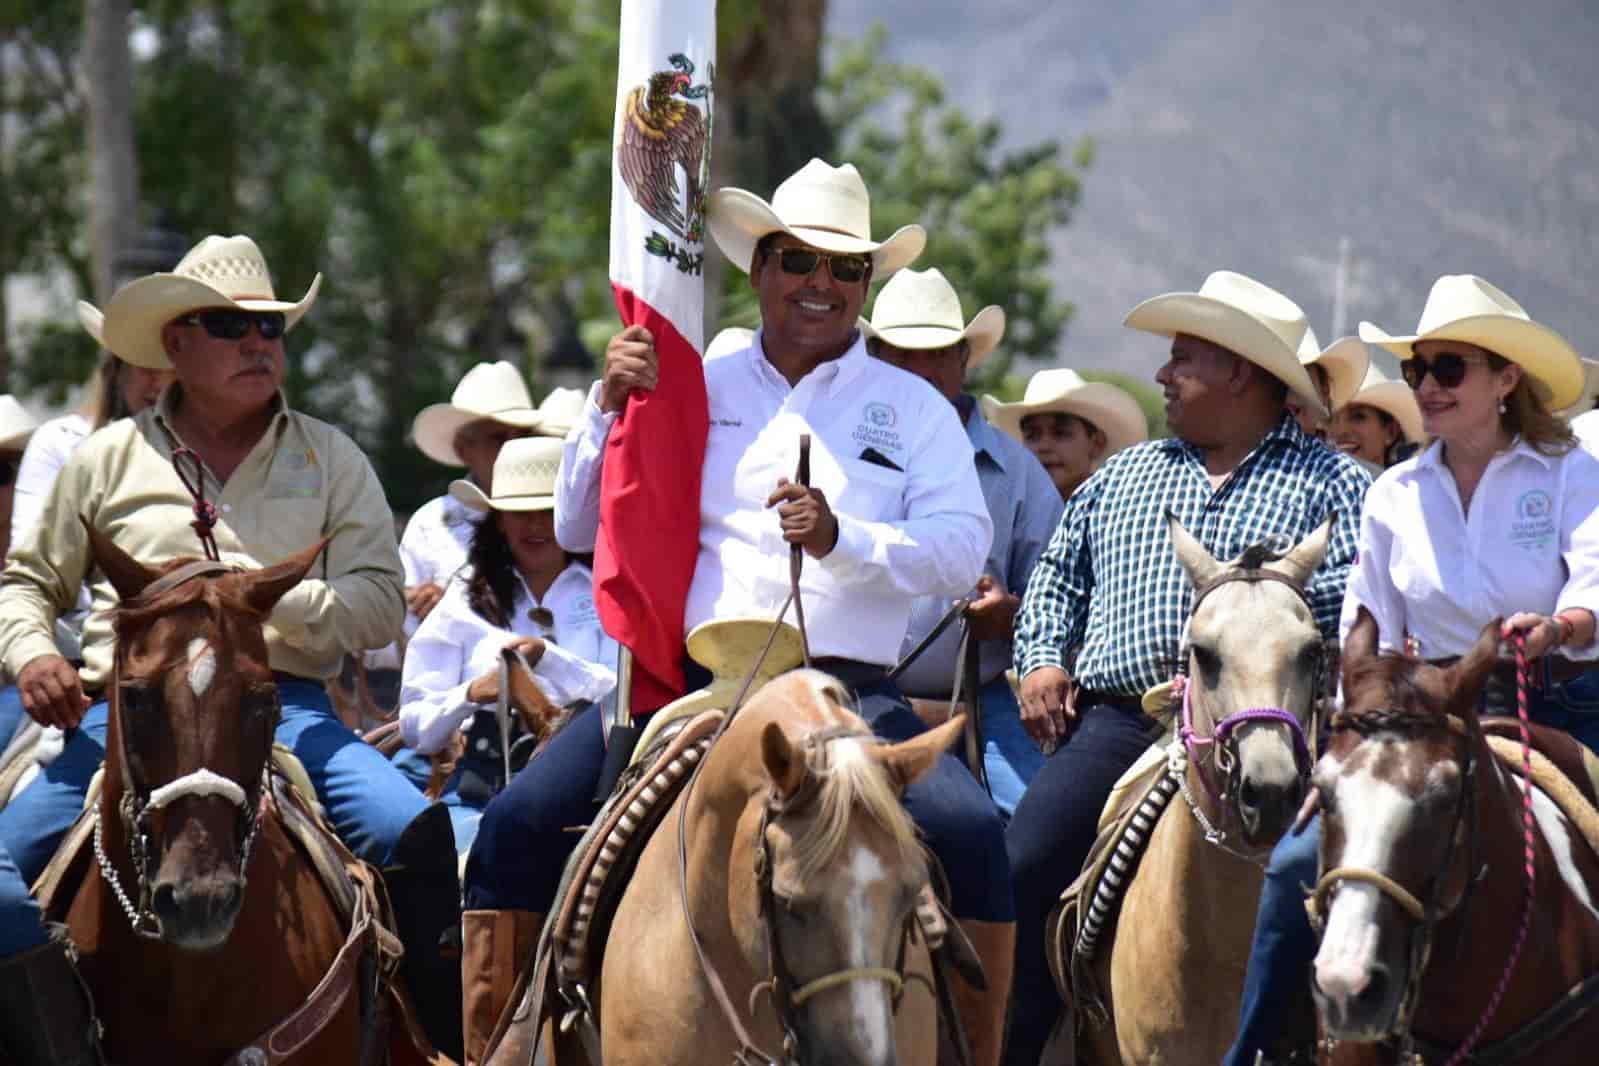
[871, 492]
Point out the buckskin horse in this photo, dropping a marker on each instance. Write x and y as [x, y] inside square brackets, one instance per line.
[183, 961]
[1457, 904]
[1165, 988]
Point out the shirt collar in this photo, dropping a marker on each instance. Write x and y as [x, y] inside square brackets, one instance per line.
[1286, 432]
[1431, 457]
[983, 435]
[835, 373]
[166, 405]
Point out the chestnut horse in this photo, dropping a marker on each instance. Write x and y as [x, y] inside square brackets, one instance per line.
[1429, 922]
[1172, 977]
[184, 962]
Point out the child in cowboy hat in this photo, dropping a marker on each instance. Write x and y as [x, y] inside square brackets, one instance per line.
[1071, 425]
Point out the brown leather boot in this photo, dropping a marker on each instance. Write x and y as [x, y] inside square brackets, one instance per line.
[46, 1016]
[494, 946]
[982, 1011]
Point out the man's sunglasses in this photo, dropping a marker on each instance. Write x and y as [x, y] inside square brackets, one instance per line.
[804, 261]
[1448, 369]
[232, 324]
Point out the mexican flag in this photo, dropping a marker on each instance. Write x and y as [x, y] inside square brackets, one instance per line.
[649, 497]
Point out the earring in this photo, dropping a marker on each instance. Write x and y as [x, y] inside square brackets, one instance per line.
[1501, 407]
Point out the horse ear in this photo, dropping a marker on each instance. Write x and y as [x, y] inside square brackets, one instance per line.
[784, 764]
[910, 759]
[1300, 563]
[1360, 645]
[264, 588]
[1470, 674]
[1198, 563]
[126, 574]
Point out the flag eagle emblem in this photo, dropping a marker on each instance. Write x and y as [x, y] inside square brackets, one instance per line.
[663, 129]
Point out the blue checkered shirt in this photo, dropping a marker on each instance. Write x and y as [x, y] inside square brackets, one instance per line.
[1109, 583]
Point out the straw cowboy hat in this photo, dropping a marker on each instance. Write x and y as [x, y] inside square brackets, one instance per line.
[217, 272]
[561, 410]
[730, 340]
[92, 319]
[1345, 362]
[1395, 398]
[1590, 391]
[524, 478]
[1111, 410]
[825, 206]
[16, 424]
[1464, 307]
[920, 309]
[494, 391]
[1240, 314]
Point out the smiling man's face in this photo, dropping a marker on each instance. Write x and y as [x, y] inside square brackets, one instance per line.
[813, 312]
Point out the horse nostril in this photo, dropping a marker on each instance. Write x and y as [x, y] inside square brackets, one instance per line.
[232, 896]
[1375, 994]
[1249, 795]
[164, 900]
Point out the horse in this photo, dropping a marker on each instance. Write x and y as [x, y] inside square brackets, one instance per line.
[1428, 920]
[799, 878]
[1172, 975]
[184, 963]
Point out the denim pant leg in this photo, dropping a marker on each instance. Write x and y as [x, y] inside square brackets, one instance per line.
[1010, 756]
[368, 801]
[957, 819]
[1049, 838]
[464, 816]
[21, 922]
[1283, 948]
[33, 823]
[1573, 706]
[11, 714]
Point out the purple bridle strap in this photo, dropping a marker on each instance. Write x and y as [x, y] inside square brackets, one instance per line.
[1193, 741]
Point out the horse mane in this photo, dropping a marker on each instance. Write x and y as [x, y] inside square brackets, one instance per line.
[1382, 695]
[1269, 550]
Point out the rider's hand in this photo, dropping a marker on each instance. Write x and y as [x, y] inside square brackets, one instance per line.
[530, 648]
[630, 363]
[1047, 711]
[51, 691]
[992, 615]
[806, 518]
[421, 599]
[485, 688]
[1543, 634]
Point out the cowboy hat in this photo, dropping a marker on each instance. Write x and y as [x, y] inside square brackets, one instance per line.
[920, 309]
[1590, 391]
[825, 206]
[16, 424]
[1109, 409]
[730, 340]
[1251, 320]
[1464, 307]
[1345, 361]
[524, 478]
[561, 410]
[217, 272]
[92, 319]
[494, 391]
[1394, 398]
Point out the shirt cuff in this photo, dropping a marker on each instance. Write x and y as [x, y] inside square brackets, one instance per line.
[596, 424]
[568, 678]
[853, 549]
[428, 738]
[1580, 652]
[1035, 656]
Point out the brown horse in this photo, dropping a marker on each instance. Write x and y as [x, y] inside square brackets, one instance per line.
[800, 861]
[1171, 980]
[185, 963]
[1425, 893]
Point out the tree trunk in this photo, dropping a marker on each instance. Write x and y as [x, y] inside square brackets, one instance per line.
[107, 76]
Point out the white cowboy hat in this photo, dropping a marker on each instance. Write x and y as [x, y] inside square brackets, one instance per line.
[1464, 307]
[1345, 361]
[561, 410]
[1240, 314]
[494, 391]
[1111, 410]
[217, 272]
[825, 206]
[920, 309]
[1590, 391]
[524, 478]
[1395, 398]
[92, 319]
[16, 424]
[730, 340]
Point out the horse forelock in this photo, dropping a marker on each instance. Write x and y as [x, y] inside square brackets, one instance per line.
[1390, 694]
[848, 779]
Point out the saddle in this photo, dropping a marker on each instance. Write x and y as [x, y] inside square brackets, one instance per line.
[1562, 767]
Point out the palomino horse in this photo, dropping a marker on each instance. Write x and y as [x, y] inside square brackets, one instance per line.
[1172, 978]
[185, 964]
[800, 863]
[1429, 921]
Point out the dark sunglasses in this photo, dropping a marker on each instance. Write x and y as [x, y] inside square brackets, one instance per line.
[1448, 369]
[803, 262]
[232, 324]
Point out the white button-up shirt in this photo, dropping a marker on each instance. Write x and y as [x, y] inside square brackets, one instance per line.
[888, 452]
[435, 544]
[1530, 542]
[455, 645]
[1585, 426]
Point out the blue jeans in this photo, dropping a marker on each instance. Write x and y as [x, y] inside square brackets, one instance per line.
[417, 768]
[21, 923]
[368, 801]
[1010, 756]
[11, 714]
[1284, 945]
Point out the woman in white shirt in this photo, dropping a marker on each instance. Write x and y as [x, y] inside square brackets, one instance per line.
[520, 589]
[1497, 518]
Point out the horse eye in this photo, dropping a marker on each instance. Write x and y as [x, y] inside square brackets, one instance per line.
[1209, 662]
[261, 702]
[137, 697]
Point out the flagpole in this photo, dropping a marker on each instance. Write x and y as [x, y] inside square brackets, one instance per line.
[622, 736]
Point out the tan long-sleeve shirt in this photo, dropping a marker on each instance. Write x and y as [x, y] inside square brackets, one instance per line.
[302, 481]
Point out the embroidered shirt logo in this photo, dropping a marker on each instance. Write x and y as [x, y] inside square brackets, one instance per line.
[1534, 526]
[881, 415]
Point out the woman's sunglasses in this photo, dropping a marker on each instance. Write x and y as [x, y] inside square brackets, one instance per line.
[1448, 369]
[803, 262]
[232, 324]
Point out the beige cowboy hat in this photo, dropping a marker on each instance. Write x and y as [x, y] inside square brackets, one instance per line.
[217, 272]
[92, 319]
[1395, 398]
[1111, 410]
[1464, 307]
[730, 340]
[493, 391]
[1345, 361]
[1590, 391]
[561, 410]
[524, 478]
[16, 424]
[825, 206]
[1238, 313]
[920, 309]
